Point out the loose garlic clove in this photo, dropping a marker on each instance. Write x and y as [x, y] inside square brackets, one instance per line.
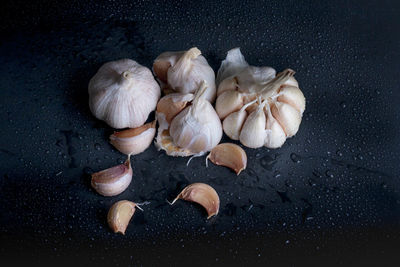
[197, 128]
[287, 116]
[184, 71]
[253, 133]
[123, 93]
[134, 141]
[202, 194]
[120, 215]
[113, 181]
[228, 102]
[229, 155]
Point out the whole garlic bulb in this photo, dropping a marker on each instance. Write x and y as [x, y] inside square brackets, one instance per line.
[123, 93]
[184, 71]
[187, 128]
[257, 107]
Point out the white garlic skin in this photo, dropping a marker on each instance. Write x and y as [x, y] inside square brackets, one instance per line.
[197, 129]
[123, 93]
[284, 102]
[184, 71]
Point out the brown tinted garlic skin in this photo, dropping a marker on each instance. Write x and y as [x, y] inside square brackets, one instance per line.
[183, 72]
[134, 141]
[229, 155]
[120, 214]
[123, 93]
[202, 194]
[257, 107]
[113, 181]
[188, 124]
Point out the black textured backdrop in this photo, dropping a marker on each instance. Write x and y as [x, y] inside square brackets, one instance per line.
[330, 196]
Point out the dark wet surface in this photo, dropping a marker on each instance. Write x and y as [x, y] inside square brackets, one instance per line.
[329, 196]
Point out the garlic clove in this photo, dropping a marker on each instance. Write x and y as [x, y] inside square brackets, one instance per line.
[229, 155]
[228, 84]
[253, 133]
[202, 194]
[233, 123]
[134, 141]
[123, 93]
[293, 96]
[276, 136]
[228, 102]
[287, 116]
[171, 105]
[113, 181]
[120, 214]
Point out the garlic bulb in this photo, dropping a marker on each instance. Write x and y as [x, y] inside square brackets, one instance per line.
[184, 71]
[123, 93]
[257, 107]
[184, 129]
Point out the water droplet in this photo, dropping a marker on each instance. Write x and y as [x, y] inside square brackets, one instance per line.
[295, 158]
[267, 162]
[343, 104]
[97, 146]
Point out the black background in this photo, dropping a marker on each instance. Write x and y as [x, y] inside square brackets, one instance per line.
[330, 196]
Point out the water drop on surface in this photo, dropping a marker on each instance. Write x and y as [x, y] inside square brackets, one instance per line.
[295, 158]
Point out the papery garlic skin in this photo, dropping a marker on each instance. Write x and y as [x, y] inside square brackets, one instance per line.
[283, 103]
[184, 71]
[134, 141]
[123, 93]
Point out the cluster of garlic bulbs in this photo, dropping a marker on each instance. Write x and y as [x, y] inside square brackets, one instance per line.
[257, 107]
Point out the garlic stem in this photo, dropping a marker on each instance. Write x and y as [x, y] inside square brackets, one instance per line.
[199, 94]
[181, 64]
[280, 79]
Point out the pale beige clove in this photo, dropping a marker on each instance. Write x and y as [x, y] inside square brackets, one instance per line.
[229, 155]
[202, 194]
[120, 214]
[134, 141]
[113, 181]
